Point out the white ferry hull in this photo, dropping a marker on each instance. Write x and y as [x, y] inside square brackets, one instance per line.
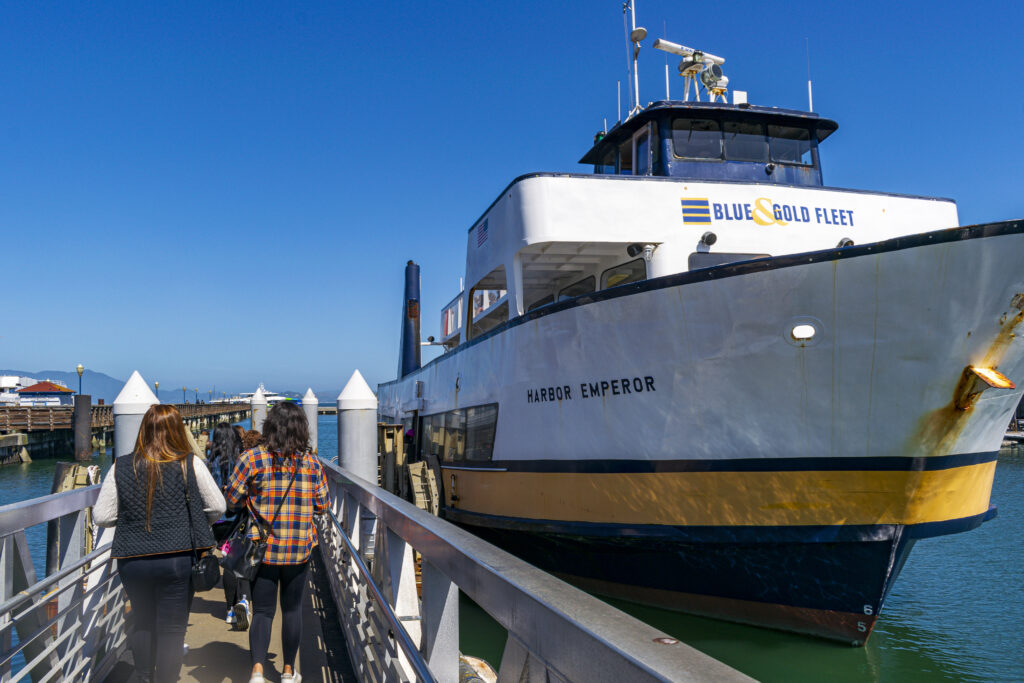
[671, 442]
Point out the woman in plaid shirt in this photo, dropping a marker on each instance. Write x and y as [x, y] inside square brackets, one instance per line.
[282, 468]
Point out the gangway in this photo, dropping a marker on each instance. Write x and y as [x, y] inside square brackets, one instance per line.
[72, 625]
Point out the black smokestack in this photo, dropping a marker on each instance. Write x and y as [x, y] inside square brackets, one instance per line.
[409, 352]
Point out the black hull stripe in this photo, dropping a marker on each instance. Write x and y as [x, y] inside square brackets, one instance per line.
[743, 268]
[817, 464]
[851, 533]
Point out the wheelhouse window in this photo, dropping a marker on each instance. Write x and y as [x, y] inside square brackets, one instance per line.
[607, 162]
[696, 139]
[643, 154]
[745, 141]
[790, 145]
[634, 271]
[626, 158]
[584, 286]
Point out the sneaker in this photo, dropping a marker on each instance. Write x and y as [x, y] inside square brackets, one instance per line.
[243, 614]
[256, 678]
[291, 678]
[231, 616]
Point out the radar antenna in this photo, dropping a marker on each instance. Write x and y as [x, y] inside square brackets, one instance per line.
[698, 68]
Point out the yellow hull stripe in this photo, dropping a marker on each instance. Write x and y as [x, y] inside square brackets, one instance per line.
[727, 498]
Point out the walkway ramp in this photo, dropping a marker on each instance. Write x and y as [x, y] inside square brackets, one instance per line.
[219, 654]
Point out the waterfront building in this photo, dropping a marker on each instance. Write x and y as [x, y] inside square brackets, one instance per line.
[45, 393]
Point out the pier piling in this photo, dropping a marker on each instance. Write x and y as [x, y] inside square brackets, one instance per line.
[130, 405]
[357, 429]
[258, 403]
[82, 422]
[311, 406]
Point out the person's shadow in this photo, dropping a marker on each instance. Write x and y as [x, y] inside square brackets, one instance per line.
[221, 655]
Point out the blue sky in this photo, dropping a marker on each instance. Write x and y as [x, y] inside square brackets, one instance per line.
[224, 193]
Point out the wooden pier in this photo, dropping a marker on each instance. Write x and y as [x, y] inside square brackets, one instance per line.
[28, 432]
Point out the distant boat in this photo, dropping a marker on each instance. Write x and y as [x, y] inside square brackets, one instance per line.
[703, 380]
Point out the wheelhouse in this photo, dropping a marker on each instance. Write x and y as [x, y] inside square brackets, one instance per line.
[714, 140]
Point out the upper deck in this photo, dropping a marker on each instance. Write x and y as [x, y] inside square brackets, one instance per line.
[715, 140]
[677, 186]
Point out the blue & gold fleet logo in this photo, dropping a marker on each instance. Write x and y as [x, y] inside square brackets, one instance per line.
[762, 211]
[696, 211]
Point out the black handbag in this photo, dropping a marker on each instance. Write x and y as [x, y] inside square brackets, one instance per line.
[205, 570]
[245, 555]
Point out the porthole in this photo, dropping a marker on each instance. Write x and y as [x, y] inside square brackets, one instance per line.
[803, 331]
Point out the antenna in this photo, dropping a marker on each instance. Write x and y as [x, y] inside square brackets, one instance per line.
[618, 90]
[810, 96]
[635, 37]
[664, 32]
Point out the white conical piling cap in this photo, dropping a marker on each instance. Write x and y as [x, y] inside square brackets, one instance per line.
[135, 398]
[310, 398]
[357, 395]
[259, 398]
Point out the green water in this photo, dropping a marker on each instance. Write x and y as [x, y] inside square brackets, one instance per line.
[956, 612]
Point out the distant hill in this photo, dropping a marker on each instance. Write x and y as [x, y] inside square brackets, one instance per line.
[96, 384]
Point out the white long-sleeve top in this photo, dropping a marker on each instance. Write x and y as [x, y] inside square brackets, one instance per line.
[104, 511]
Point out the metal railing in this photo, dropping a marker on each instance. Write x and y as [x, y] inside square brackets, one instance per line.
[555, 631]
[69, 625]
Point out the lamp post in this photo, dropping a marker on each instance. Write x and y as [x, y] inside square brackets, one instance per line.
[80, 369]
[156, 385]
[197, 394]
[183, 399]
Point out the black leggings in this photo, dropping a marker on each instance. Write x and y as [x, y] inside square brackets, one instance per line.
[234, 588]
[292, 579]
[159, 588]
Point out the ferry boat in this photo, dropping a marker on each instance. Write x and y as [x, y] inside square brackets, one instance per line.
[702, 379]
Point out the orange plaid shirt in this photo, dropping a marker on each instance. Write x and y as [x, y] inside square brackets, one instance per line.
[262, 485]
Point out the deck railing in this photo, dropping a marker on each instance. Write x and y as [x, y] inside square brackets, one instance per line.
[69, 625]
[555, 631]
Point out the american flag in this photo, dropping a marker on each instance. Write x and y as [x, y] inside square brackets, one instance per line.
[481, 233]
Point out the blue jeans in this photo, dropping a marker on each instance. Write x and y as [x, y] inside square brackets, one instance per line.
[159, 588]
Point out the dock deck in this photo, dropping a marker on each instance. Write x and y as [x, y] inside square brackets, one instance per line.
[219, 654]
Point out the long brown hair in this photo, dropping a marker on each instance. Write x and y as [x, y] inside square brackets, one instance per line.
[161, 440]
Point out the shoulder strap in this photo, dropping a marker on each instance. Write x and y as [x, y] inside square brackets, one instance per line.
[268, 527]
[186, 465]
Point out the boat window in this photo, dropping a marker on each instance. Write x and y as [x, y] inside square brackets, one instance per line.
[462, 434]
[584, 286]
[549, 299]
[491, 318]
[454, 435]
[718, 258]
[626, 158]
[696, 139]
[634, 271]
[451, 318]
[745, 141]
[607, 162]
[643, 154]
[481, 422]
[790, 145]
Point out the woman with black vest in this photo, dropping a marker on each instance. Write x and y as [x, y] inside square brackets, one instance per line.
[161, 506]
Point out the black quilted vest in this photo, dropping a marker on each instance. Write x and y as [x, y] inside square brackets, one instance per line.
[168, 526]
